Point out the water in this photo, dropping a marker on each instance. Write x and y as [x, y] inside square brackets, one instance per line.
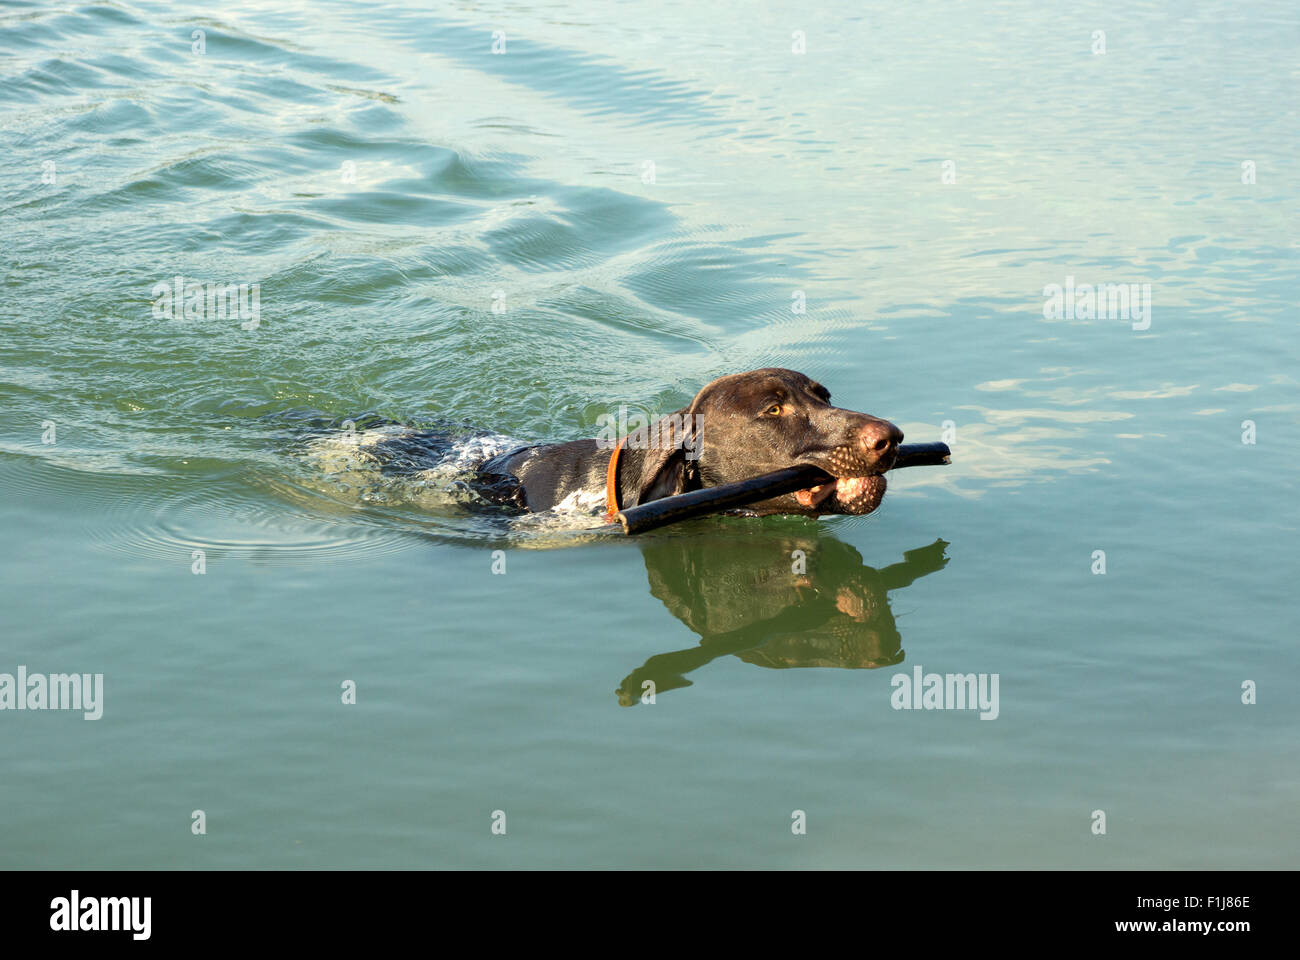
[386, 180]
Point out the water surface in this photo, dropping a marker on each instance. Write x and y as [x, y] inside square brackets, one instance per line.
[625, 203]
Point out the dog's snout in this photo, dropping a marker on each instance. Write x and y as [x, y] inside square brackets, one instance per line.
[880, 436]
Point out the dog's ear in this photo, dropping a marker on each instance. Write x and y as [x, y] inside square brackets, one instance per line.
[671, 448]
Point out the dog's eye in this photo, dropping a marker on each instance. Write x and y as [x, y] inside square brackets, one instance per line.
[775, 410]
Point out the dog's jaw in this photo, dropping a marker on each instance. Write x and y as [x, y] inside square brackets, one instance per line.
[851, 495]
[859, 483]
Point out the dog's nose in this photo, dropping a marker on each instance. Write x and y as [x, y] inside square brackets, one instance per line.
[880, 436]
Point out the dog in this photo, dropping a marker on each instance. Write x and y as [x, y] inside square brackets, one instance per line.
[737, 427]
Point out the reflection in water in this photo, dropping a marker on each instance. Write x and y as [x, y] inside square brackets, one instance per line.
[775, 602]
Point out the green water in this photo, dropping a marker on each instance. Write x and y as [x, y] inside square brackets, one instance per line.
[386, 180]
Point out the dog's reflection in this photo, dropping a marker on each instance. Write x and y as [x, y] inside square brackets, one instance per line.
[775, 602]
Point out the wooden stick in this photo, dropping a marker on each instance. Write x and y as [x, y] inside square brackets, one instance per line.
[729, 496]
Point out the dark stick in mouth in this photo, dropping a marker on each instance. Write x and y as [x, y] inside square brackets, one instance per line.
[698, 503]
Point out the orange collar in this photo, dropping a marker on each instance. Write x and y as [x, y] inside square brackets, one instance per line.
[611, 483]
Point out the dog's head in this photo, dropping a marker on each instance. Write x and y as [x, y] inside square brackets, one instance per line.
[748, 424]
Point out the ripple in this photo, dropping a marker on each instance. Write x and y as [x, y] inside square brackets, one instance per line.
[590, 83]
[167, 516]
[229, 524]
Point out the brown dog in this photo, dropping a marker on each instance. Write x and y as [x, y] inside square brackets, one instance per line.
[739, 426]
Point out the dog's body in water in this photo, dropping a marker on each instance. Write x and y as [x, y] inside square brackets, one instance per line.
[737, 427]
